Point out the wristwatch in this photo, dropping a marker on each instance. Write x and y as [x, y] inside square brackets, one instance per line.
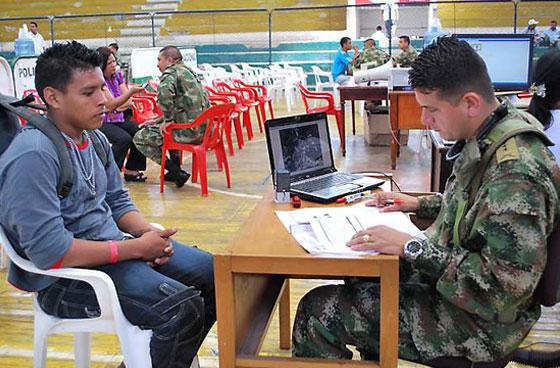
[413, 248]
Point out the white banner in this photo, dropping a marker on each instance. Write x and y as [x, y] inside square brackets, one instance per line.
[24, 74]
[143, 62]
[6, 78]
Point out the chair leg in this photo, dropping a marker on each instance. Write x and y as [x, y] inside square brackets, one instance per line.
[338, 116]
[82, 342]
[227, 128]
[270, 109]
[263, 112]
[162, 168]
[238, 132]
[195, 168]
[40, 338]
[201, 158]
[259, 118]
[219, 160]
[247, 122]
[226, 165]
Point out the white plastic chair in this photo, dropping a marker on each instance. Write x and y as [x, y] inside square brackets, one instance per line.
[320, 75]
[135, 343]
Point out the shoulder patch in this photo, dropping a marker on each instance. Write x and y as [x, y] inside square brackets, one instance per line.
[508, 151]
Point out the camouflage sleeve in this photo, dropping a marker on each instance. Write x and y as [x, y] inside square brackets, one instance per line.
[498, 267]
[166, 96]
[429, 206]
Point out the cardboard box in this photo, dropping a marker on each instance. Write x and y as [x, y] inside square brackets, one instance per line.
[377, 128]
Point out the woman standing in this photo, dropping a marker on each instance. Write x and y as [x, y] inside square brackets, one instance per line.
[118, 130]
[545, 104]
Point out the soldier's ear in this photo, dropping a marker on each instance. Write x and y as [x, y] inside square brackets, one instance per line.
[473, 103]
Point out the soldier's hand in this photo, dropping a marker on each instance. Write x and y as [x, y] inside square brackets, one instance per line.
[356, 49]
[392, 201]
[382, 239]
[163, 127]
[135, 89]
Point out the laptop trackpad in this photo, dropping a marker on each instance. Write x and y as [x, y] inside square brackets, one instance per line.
[337, 190]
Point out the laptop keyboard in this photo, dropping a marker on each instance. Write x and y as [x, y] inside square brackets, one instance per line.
[323, 182]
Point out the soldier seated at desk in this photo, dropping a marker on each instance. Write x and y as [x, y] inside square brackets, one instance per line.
[467, 284]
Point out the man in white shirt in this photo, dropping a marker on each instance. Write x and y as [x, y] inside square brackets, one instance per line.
[390, 17]
[379, 37]
[38, 40]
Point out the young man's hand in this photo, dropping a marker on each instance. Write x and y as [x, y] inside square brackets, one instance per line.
[155, 246]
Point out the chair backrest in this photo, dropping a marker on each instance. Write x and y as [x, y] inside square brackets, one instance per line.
[215, 117]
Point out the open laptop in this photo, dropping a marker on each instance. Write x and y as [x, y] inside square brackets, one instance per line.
[302, 145]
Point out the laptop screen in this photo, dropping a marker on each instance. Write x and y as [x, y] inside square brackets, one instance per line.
[300, 144]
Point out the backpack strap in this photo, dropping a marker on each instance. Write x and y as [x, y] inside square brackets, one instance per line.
[100, 149]
[17, 107]
[497, 138]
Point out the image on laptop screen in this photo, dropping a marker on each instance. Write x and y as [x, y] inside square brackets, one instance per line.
[302, 147]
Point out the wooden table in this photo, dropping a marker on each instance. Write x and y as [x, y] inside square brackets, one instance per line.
[253, 277]
[354, 93]
[405, 113]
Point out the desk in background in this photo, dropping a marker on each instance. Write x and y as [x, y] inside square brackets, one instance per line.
[253, 277]
[441, 168]
[404, 113]
[358, 93]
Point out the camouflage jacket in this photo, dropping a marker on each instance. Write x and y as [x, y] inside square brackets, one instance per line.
[375, 56]
[181, 95]
[406, 57]
[485, 283]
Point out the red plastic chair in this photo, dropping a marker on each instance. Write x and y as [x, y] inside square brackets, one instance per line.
[239, 111]
[144, 108]
[42, 110]
[248, 99]
[261, 94]
[218, 100]
[215, 117]
[330, 108]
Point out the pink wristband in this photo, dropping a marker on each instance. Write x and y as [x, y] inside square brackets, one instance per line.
[114, 251]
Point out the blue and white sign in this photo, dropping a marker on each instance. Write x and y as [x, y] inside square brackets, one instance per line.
[24, 74]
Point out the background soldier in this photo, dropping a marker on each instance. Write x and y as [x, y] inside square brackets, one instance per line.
[408, 53]
[181, 98]
[371, 54]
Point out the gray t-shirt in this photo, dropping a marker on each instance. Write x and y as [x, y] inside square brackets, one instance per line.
[41, 224]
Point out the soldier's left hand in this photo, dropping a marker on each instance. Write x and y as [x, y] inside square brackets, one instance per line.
[379, 238]
[163, 127]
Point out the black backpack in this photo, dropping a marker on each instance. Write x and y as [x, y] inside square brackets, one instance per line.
[11, 108]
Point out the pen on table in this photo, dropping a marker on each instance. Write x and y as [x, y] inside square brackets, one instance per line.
[390, 202]
[355, 197]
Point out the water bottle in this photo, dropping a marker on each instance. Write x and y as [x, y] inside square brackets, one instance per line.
[24, 45]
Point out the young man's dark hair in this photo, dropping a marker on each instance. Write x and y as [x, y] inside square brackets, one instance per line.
[452, 68]
[378, 28]
[34, 23]
[344, 41]
[55, 66]
[171, 52]
[406, 38]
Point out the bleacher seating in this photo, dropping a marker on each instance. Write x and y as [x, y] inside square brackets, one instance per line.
[205, 23]
[488, 15]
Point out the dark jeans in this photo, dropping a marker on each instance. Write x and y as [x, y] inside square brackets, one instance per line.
[120, 136]
[176, 301]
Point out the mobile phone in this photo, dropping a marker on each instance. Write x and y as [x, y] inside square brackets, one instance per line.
[145, 85]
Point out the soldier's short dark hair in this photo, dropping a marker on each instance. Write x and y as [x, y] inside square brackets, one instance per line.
[452, 68]
[369, 39]
[406, 38]
[34, 23]
[57, 64]
[344, 41]
[171, 52]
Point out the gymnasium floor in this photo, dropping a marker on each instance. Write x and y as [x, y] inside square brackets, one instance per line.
[210, 223]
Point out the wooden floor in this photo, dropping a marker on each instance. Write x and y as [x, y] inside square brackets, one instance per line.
[210, 223]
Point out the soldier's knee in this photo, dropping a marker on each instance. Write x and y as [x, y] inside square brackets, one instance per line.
[315, 300]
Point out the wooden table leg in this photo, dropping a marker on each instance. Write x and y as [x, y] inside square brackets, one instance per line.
[394, 120]
[225, 310]
[343, 138]
[353, 118]
[284, 317]
[389, 319]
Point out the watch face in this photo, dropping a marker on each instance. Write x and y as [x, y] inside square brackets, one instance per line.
[413, 248]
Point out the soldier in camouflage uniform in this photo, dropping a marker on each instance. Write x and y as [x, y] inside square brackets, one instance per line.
[372, 55]
[466, 287]
[408, 53]
[181, 98]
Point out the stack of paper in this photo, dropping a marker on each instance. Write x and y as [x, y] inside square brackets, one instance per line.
[326, 230]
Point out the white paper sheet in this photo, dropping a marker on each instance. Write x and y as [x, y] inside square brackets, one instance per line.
[326, 230]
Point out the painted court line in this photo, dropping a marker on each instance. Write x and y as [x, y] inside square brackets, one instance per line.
[226, 192]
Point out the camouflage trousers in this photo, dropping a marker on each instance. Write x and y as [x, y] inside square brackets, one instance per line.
[331, 317]
[149, 141]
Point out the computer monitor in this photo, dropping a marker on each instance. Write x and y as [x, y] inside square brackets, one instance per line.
[508, 58]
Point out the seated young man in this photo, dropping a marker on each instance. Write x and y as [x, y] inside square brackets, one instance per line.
[162, 285]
